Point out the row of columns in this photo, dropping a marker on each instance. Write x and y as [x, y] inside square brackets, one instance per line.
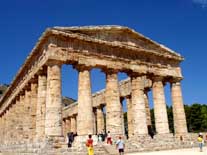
[137, 104]
[38, 110]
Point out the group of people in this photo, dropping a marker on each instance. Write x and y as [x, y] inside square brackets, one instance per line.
[101, 137]
[119, 143]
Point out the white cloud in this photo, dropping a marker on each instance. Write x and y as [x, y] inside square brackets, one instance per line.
[203, 3]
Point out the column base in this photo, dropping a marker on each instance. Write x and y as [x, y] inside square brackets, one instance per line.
[166, 137]
[140, 138]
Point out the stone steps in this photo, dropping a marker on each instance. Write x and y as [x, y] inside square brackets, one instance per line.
[110, 149]
[138, 144]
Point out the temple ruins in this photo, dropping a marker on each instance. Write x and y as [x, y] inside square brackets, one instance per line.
[32, 118]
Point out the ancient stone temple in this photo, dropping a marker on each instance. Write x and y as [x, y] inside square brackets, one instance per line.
[32, 119]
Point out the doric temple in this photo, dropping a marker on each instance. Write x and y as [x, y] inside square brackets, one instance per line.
[33, 118]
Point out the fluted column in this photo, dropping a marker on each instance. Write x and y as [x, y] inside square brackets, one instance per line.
[1, 129]
[146, 99]
[180, 126]
[41, 102]
[129, 115]
[8, 130]
[113, 106]
[33, 110]
[160, 111]
[21, 117]
[73, 124]
[100, 119]
[18, 120]
[64, 127]
[4, 129]
[85, 110]
[53, 116]
[27, 119]
[68, 125]
[14, 121]
[138, 106]
[7, 125]
[94, 121]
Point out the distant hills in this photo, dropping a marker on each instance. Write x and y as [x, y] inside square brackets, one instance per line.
[3, 88]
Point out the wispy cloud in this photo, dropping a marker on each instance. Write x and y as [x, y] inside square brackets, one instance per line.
[202, 3]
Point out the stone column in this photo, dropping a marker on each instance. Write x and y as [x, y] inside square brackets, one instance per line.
[41, 101]
[27, 119]
[100, 119]
[85, 110]
[18, 127]
[129, 115]
[6, 127]
[122, 115]
[8, 112]
[12, 123]
[68, 125]
[1, 129]
[160, 111]
[53, 116]
[138, 105]
[180, 126]
[73, 124]
[146, 99]
[33, 110]
[94, 121]
[64, 127]
[114, 122]
[21, 117]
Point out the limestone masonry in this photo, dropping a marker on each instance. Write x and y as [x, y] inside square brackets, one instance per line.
[33, 119]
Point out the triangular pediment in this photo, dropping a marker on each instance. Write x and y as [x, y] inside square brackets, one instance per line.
[120, 35]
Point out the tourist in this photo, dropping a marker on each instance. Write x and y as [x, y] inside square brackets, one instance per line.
[150, 131]
[100, 138]
[120, 145]
[89, 145]
[67, 139]
[200, 142]
[109, 139]
[70, 139]
[104, 135]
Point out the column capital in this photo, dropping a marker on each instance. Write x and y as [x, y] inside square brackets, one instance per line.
[157, 78]
[34, 79]
[82, 67]
[54, 62]
[135, 74]
[110, 71]
[42, 71]
[175, 80]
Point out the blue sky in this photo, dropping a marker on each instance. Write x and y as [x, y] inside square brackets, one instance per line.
[179, 24]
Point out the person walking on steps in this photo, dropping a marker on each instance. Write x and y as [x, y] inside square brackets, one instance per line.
[109, 139]
[89, 145]
[200, 142]
[120, 145]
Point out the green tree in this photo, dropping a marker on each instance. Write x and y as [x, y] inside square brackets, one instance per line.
[203, 118]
